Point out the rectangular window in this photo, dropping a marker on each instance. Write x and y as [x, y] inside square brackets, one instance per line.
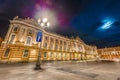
[25, 54]
[28, 41]
[60, 42]
[7, 52]
[12, 38]
[45, 54]
[45, 45]
[64, 48]
[51, 54]
[60, 55]
[51, 46]
[15, 29]
[60, 48]
[56, 47]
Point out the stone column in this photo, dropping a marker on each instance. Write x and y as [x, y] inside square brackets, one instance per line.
[19, 35]
[34, 37]
[48, 47]
[53, 43]
[8, 33]
[43, 38]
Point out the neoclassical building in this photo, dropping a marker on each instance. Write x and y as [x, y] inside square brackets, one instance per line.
[20, 44]
[111, 53]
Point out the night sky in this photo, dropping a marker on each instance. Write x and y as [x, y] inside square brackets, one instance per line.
[97, 22]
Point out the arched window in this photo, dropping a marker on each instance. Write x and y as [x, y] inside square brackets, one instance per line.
[12, 38]
[28, 42]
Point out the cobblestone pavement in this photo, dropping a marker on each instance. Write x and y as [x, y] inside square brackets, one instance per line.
[61, 71]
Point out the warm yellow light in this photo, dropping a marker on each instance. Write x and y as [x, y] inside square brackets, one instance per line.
[35, 42]
[47, 15]
[39, 20]
[14, 42]
[33, 52]
[42, 24]
[45, 20]
[21, 40]
[48, 24]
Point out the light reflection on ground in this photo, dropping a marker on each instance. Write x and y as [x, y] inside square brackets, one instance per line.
[61, 71]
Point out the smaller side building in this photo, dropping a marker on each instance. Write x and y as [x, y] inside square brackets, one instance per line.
[112, 53]
[91, 52]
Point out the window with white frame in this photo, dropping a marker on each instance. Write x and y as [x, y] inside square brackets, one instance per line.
[12, 38]
[29, 40]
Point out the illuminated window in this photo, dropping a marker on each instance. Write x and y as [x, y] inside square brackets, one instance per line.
[56, 45]
[64, 48]
[45, 45]
[7, 52]
[68, 49]
[60, 42]
[51, 54]
[25, 53]
[12, 38]
[28, 42]
[80, 48]
[51, 46]
[55, 55]
[45, 54]
[60, 48]
[60, 55]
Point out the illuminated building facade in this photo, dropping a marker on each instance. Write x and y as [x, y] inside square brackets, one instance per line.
[20, 44]
[109, 53]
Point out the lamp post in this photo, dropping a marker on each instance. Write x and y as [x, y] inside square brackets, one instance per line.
[43, 23]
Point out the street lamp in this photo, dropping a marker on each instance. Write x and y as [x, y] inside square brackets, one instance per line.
[44, 20]
[43, 23]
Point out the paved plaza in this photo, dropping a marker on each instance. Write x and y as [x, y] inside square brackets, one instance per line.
[61, 71]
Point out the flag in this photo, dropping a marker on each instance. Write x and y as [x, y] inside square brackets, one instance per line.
[39, 37]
